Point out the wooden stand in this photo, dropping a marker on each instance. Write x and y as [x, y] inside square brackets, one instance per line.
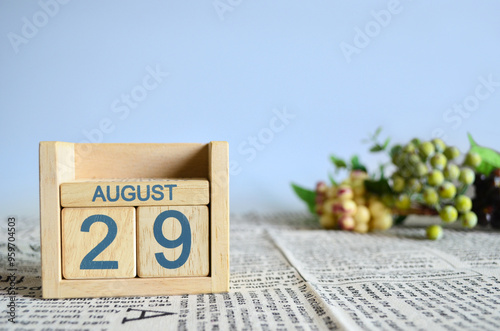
[63, 163]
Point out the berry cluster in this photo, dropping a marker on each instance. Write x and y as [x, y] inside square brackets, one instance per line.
[428, 178]
[427, 174]
[486, 203]
[349, 207]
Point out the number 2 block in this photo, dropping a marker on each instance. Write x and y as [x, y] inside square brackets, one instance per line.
[172, 241]
[98, 243]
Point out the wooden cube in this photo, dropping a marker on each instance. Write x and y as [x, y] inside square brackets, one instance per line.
[172, 241]
[98, 243]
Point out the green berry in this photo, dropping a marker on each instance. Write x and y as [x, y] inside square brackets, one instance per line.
[399, 159]
[434, 232]
[472, 159]
[463, 203]
[413, 159]
[403, 201]
[448, 214]
[435, 178]
[398, 183]
[420, 170]
[415, 141]
[469, 219]
[451, 152]
[430, 196]
[447, 190]
[414, 185]
[396, 154]
[409, 148]
[438, 161]
[451, 172]
[439, 145]
[426, 149]
[405, 171]
[467, 176]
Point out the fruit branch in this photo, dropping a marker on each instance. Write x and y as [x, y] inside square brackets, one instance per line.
[420, 210]
[428, 178]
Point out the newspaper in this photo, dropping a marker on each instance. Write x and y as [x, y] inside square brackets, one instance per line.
[287, 274]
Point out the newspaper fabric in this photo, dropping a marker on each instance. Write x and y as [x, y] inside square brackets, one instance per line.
[287, 274]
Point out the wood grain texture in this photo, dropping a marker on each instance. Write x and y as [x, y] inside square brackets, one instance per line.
[67, 162]
[140, 193]
[147, 246]
[56, 162]
[141, 161]
[219, 215]
[76, 244]
[94, 288]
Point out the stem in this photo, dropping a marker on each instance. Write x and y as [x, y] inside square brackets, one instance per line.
[463, 189]
[418, 210]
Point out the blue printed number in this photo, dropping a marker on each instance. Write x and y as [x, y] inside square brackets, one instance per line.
[184, 239]
[88, 261]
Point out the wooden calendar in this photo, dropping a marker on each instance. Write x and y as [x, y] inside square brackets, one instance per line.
[134, 219]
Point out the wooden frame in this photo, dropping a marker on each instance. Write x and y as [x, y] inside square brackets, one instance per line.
[62, 162]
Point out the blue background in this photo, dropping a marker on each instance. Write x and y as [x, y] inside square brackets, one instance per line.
[232, 64]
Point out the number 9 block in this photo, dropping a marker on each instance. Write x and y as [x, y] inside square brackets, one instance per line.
[173, 241]
[134, 219]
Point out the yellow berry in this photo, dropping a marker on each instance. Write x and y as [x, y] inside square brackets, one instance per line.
[377, 208]
[382, 222]
[331, 192]
[360, 200]
[358, 175]
[346, 222]
[344, 207]
[344, 192]
[362, 214]
[361, 227]
[359, 190]
[327, 221]
[328, 206]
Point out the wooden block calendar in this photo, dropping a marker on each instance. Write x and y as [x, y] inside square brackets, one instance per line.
[134, 219]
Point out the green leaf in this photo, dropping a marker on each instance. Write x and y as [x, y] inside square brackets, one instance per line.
[379, 187]
[381, 169]
[488, 155]
[379, 148]
[490, 159]
[354, 161]
[471, 140]
[386, 143]
[308, 196]
[485, 168]
[338, 163]
[356, 165]
[376, 148]
[377, 132]
[332, 180]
